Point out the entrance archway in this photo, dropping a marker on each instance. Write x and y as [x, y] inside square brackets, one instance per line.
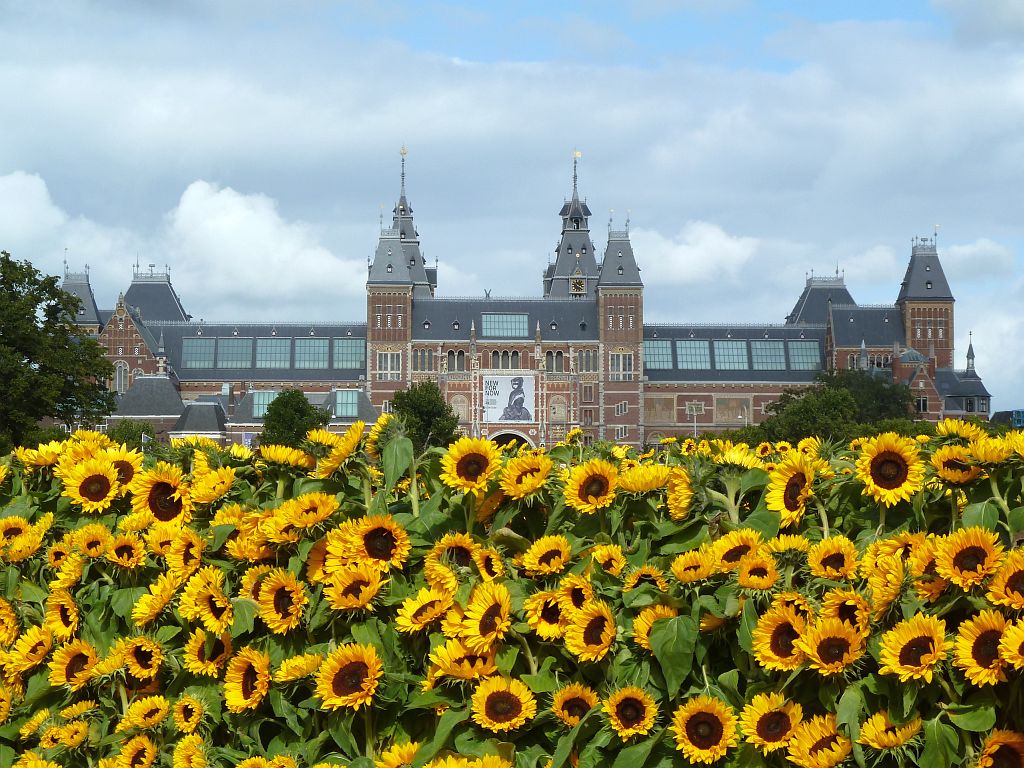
[505, 438]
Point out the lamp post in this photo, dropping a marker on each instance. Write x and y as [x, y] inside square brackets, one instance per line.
[743, 412]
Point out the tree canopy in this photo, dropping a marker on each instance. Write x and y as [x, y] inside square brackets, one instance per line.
[131, 432]
[50, 368]
[289, 417]
[429, 420]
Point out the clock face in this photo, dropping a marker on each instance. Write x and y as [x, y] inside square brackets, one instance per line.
[578, 286]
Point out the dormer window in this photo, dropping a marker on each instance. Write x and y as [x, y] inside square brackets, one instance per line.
[575, 223]
[455, 325]
[620, 269]
[584, 249]
[927, 267]
[390, 269]
[402, 236]
[928, 285]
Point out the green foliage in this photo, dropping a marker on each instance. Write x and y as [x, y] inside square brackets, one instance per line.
[50, 367]
[289, 417]
[429, 420]
[876, 397]
[130, 432]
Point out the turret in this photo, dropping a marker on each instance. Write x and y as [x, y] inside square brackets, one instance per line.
[574, 273]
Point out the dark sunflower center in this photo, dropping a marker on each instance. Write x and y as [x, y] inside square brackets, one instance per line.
[76, 664]
[526, 474]
[283, 601]
[37, 647]
[502, 706]
[833, 649]
[956, 465]
[139, 758]
[489, 566]
[1007, 757]
[355, 589]
[733, 555]
[144, 657]
[594, 486]
[188, 556]
[630, 712]
[824, 743]
[162, 503]
[471, 466]
[773, 726]
[889, 470]
[95, 487]
[575, 707]
[577, 596]
[65, 615]
[216, 609]
[151, 713]
[836, 561]
[249, 681]
[912, 653]
[704, 730]
[125, 472]
[93, 544]
[1016, 583]
[460, 556]
[14, 530]
[380, 543]
[489, 621]
[848, 613]
[123, 551]
[986, 648]
[969, 558]
[551, 613]
[349, 679]
[424, 609]
[217, 649]
[594, 630]
[783, 638]
[759, 572]
[794, 487]
[187, 712]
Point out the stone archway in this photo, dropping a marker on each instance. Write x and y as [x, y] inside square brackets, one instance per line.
[507, 436]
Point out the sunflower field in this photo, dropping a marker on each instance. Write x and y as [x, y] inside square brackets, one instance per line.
[348, 603]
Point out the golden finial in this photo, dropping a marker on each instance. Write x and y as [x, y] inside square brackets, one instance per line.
[403, 151]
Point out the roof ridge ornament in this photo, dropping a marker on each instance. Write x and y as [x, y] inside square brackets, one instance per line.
[403, 152]
[576, 155]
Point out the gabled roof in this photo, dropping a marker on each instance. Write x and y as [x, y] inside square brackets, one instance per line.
[619, 267]
[951, 383]
[150, 396]
[924, 280]
[875, 326]
[812, 306]
[77, 284]
[435, 319]
[201, 418]
[152, 294]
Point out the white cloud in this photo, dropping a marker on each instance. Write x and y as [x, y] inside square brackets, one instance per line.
[985, 21]
[699, 253]
[984, 259]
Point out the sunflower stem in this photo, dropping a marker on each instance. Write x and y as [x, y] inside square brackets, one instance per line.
[1000, 499]
[367, 493]
[530, 660]
[281, 480]
[470, 503]
[824, 518]
[414, 490]
[370, 735]
[881, 518]
[954, 510]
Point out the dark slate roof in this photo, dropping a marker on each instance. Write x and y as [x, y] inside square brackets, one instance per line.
[77, 284]
[574, 319]
[150, 396]
[924, 279]
[734, 333]
[875, 326]
[104, 315]
[812, 306]
[951, 383]
[364, 410]
[619, 267]
[574, 258]
[153, 295]
[399, 248]
[201, 418]
[173, 333]
[144, 331]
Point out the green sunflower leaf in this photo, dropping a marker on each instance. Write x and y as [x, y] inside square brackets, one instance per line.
[673, 641]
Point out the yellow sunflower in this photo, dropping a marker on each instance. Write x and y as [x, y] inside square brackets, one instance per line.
[645, 620]
[29, 650]
[246, 680]
[297, 667]
[213, 485]
[188, 713]
[728, 550]
[32, 724]
[469, 464]
[127, 463]
[1011, 646]
[349, 677]
[645, 574]
[144, 714]
[591, 631]
[127, 551]
[1007, 586]
[281, 600]
[138, 752]
[775, 639]
[284, 456]
[695, 565]
[879, 732]
[190, 752]
[571, 702]
[501, 705]
[92, 485]
[153, 603]
[757, 571]
[769, 720]
[631, 712]
[547, 555]
[1002, 749]
[849, 606]
[342, 449]
[453, 549]
[967, 556]
[203, 599]
[591, 486]
[885, 582]
[488, 563]
[831, 646]
[737, 456]
[420, 611]
[644, 478]
[680, 494]
[891, 468]
[976, 648]
[206, 654]
[373, 439]
[609, 558]
[524, 475]
[162, 492]
[545, 616]
[61, 614]
[353, 587]
[833, 558]
[817, 743]
[488, 616]
[185, 554]
[574, 591]
[398, 755]
[790, 486]
[453, 659]
[705, 729]
[990, 450]
[958, 428]
[378, 540]
[93, 540]
[953, 464]
[143, 657]
[74, 734]
[78, 709]
[72, 664]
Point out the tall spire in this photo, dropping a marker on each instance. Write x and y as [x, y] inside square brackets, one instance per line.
[576, 155]
[970, 351]
[403, 152]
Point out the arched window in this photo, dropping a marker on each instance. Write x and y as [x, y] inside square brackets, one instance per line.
[495, 359]
[460, 361]
[559, 363]
[505, 359]
[121, 377]
[852, 361]
[515, 359]
[451, 359]
[550, 362]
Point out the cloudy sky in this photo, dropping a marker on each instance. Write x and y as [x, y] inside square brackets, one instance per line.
[250, 146]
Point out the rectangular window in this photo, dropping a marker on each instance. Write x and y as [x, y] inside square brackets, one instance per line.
[922, 405]
[234, 353]
[504, 326]
[389, 366]
[588, 393]
[693, 354]
[346, 403]
[621, 408]
[260, 402]
[657, 354]
[197, 353]
[804, 356]
[377, 311]
[969, 405]
[620, 366]
[350, 353]
[385, 407]
[659, 410]
[768, 355]
[731, 355]
[311, 353]
[621, 433]
[588, 417]
[273, 353]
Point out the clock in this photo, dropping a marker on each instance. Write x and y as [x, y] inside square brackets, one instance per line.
[579, 286]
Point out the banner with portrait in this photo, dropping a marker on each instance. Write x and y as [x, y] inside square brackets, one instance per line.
[510, 399]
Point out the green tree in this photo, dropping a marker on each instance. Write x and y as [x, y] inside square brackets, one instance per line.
[289, 417]
[429, 420]
[825, 412]
[130, 432]
[49, 367]
[877, 397]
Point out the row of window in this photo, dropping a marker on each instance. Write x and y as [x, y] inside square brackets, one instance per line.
[621, 317]
[732, 354]
[272, 353]
[346, 403]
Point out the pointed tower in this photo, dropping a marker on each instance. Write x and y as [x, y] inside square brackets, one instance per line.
[574, 274]
[926, 303]
[77, 283]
